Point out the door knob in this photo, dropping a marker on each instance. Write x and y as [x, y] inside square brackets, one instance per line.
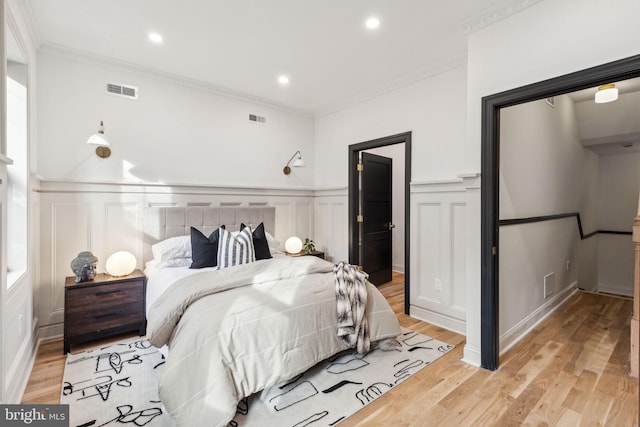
[391, 226]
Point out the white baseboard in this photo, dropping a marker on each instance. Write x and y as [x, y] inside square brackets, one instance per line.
[50, 331]
[614, 290]
[515, 334]
[398, 268]
[442, 320]
[20, 370]
[472, 356]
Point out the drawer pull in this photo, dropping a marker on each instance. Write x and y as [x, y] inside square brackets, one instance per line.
[100, 293]
[110, 314]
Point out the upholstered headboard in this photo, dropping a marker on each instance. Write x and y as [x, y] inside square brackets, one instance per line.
[163, 222]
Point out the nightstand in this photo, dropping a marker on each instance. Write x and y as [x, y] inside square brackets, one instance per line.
[312, 253]
[103, 307]
[316, 253]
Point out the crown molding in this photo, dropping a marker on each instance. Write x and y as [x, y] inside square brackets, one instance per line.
[114, 64]
[30, 19]
[449, 64]
[492, 15]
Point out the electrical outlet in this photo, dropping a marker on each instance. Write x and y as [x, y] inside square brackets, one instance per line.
[438, 285]
[549, 284]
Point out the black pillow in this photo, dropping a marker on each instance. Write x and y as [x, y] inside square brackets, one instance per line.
[204, 250]
[260, 244]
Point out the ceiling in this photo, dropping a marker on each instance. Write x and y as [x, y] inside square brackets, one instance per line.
[242, 46]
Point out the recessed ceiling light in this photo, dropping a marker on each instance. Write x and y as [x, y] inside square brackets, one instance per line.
[372, 23]
[155, 37]
[283, 80]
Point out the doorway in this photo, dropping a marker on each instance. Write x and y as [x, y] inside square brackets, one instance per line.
[355, 232]
[491, 105]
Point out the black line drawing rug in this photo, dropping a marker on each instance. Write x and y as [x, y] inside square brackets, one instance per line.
[117, 385]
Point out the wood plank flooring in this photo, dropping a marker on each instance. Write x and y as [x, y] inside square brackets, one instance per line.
[569, 371]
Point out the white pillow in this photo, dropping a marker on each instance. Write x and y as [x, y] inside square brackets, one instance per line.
[171, 248]
[273, 243]
[235, 250]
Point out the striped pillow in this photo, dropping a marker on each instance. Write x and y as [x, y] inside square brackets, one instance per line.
[235, 250]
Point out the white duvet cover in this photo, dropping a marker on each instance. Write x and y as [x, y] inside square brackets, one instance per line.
[236, 331]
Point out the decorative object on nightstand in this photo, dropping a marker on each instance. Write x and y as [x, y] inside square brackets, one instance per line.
[293, 245]
[104, 307]
[84, 266]
[121, 263]
[308, 246]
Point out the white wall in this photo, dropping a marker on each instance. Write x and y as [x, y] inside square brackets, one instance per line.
[619, 187]
[544, 170]
[175, 133]
[546, 40]
[396, 153]
[433, 109]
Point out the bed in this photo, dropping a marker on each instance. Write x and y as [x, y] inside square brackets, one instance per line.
[234, 331]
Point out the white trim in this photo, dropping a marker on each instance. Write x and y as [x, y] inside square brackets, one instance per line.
[615, 290]
[6, 160]
[447, 322]
[73, 186]
[519, 331]
[471, 356]
[501, 11]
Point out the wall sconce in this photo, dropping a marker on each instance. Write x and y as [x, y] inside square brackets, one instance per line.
[606, 93]
[99, 139]
[298, 163]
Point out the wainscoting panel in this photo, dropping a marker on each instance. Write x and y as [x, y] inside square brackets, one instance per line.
[105, 218]
[438, 254]
[331, 225]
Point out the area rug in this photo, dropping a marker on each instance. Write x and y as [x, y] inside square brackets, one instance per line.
[117, 385]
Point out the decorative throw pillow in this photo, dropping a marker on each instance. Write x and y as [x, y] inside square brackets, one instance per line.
[235, 250]
[204, 250]
[260, 243]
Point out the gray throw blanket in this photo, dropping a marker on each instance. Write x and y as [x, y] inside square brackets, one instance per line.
[351, 302]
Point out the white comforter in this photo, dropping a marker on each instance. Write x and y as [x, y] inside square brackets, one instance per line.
[236, 331]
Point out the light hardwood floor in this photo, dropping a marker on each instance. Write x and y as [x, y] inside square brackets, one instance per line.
[571, 370]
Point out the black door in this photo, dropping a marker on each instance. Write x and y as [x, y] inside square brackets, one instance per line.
[376, 226]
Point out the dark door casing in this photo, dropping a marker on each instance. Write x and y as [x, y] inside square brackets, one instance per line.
[375, 246]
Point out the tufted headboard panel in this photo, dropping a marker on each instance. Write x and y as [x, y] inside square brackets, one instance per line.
[164, 222]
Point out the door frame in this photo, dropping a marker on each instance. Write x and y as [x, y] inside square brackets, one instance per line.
[490, 169]
[354, 149]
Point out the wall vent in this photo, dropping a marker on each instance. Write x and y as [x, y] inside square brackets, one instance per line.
[257, 119]
[125, 91]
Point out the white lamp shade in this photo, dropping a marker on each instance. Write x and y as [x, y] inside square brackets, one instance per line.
[298, 163]
[121, 263]
[98, 139]
[293, 245]
[606, 94]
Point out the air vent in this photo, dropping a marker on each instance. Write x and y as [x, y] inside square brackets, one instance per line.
[257, 119]
[125, 91]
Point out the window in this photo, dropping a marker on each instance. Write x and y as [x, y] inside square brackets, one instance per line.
[17, 173]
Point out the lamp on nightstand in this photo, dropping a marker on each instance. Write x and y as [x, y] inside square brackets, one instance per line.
[121, 263]
[293, 245]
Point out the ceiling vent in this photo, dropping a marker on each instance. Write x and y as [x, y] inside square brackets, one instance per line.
[257, 119]
[125, 91]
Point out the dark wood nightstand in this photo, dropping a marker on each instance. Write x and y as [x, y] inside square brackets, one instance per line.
[103, 307]
[316, 253]
[312, 253]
